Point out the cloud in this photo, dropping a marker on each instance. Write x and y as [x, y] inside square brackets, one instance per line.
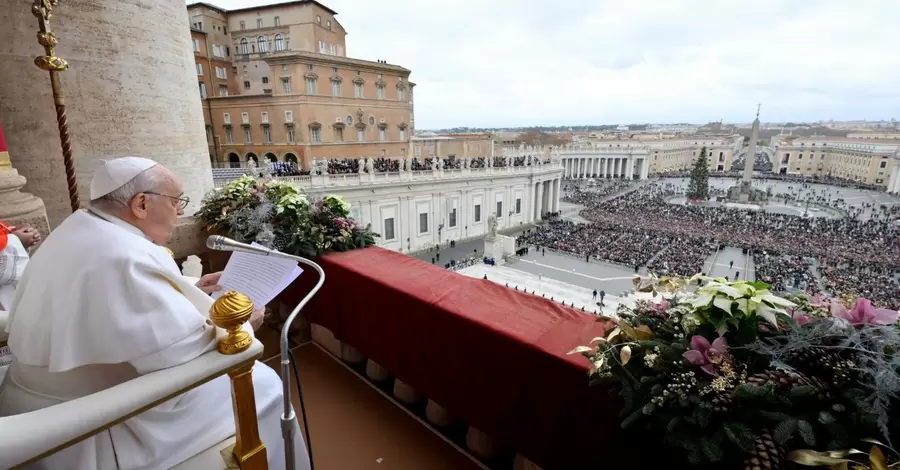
[497, 63]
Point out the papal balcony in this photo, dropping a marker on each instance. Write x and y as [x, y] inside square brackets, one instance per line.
[405, 365]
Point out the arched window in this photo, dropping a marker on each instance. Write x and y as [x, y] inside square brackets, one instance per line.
[234, 160]
[261, 44]
[290, 158]
[271, 157]
[279, 42]
[245, 46]
[252, 156]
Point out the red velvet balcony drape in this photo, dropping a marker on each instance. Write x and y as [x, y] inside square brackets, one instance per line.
[494, 357]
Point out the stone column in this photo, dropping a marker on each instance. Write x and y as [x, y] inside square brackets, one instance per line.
[629, 169]
[16, 207]
[645, 168]
[537, 202]
[131, 89]
[555, 203]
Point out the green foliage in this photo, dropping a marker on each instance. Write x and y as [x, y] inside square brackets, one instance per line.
[278, 215]
[698, 188]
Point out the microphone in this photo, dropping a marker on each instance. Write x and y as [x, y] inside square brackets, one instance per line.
[220, 243]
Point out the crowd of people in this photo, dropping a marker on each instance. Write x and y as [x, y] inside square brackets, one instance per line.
[854, 256]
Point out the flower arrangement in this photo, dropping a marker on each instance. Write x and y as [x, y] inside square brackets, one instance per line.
[731, 373]
[278, 215]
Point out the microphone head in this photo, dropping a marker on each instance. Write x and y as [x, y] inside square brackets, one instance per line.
[215, 242]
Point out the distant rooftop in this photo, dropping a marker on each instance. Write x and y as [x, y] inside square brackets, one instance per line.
[261, 7]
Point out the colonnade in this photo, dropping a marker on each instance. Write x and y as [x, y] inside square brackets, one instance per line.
[545, 197]
[602, 167]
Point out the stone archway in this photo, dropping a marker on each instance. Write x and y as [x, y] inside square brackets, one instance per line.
[252, 156]
[271, 157]
[234, 161]
[290, 158]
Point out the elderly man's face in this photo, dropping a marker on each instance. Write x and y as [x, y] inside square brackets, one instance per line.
[158, 211]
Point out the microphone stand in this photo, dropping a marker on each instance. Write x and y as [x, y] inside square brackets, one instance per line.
[220, 243]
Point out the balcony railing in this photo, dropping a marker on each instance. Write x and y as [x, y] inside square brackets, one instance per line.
[482, 365]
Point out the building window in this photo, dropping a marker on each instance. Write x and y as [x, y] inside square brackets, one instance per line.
[452, 218]
[315, 136]
[247, 137]
[202, 90]
[290, 135]
[265, 80]
[245, 46]
[209, 138]
[223, 90]
[382, 135]
[883, 164]
[328, 24]
[402, 134]
[389, 228]
[310, 86]
[199, 70]
[401, 94]
[360, 135]
[335, 88]
[229, 136]
[277, 21]
[279, 42]
[499, 209]
[246, 84]
[338, 134]
[321, 47]
[318, 19]
[218, 51]
[423, 223]
[261, 43]
[358, 90]
[243, 26]
[267, 133]
[264, 117]
[221, 73]
[286, 86]
[518, 205]
[226, 117]
[477, 213]
[259, 23]
[196, 45]
[380, 92]
[245, 118]
[288, 116]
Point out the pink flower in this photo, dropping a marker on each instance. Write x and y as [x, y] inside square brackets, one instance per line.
[864, 313]
[707, 356]
[800, 317]
[662, 305]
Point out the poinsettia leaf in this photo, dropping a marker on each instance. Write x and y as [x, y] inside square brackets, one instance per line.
[723, 303]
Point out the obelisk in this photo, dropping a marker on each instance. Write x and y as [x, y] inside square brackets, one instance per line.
[749, 160]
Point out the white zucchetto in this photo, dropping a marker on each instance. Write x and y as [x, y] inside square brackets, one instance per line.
[113, 174]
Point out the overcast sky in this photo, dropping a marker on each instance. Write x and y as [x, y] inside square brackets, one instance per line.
[497, 63]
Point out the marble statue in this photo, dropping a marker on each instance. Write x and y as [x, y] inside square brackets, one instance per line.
[370, 165]
[361, 164]
[434, 163]
[492, 226]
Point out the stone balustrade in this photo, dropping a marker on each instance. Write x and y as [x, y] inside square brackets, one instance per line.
[388, 178]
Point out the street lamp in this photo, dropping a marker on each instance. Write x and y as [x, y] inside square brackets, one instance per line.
[440, 227]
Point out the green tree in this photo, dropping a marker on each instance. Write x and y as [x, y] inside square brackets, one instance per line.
[698, 188]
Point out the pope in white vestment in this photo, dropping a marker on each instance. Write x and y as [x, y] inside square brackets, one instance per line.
[101, 303]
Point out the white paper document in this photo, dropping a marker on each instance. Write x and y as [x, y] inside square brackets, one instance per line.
[257, 276]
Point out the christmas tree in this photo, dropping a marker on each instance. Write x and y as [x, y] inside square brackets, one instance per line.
[698, 188]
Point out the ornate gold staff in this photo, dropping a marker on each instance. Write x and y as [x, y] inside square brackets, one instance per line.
[43, 10]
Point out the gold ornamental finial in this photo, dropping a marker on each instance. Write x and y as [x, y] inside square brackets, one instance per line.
[169, 251]
[230, 312]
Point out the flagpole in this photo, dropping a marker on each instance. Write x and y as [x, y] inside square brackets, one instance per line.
[43, 10]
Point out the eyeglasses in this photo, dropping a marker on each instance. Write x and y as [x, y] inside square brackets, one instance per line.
[182, 201]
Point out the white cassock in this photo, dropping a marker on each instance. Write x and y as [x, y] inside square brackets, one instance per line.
[101, 304]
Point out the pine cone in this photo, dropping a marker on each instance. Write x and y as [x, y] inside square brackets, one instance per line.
[766, 454]
[786, 381]
[721, 403]
[837, 367]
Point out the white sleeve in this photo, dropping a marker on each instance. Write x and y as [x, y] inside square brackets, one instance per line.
[187, 349]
